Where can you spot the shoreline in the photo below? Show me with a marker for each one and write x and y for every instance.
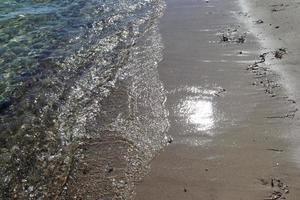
(81, 104)
(90, 108)
(247, 153)
(277, 29)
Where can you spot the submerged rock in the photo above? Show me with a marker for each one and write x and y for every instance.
(5, 103)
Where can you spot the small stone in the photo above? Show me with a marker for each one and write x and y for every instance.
(30, 188)
(260, 21)
(224, 38)
(170, 140)
(241, 39)
(293, 101)
(110, 170)
(286, 191)
(5, 103)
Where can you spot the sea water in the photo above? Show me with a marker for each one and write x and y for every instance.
(71, 70)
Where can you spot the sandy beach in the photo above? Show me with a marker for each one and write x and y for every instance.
(149, 100)
(230, 71)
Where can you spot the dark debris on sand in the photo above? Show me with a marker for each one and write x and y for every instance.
(264, 76)
(232, 35)
(279, 53)
(260, 21)
(268, 80)
(280, 190)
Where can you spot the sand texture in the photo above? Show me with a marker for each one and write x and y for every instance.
(233, 106)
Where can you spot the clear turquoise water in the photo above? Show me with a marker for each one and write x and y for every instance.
(34, 31)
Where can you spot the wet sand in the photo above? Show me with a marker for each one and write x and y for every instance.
(279, 29)
(231, 136)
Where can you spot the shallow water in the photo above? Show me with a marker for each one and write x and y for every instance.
(72, 70)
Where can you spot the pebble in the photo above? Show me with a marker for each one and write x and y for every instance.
(5, 103)
(260, 21)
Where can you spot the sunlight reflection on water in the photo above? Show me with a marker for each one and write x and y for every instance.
(196, 110)
(199, 113)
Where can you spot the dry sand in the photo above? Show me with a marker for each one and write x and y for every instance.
(234, 131)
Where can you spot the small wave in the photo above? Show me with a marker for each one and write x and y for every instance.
(73, 71)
